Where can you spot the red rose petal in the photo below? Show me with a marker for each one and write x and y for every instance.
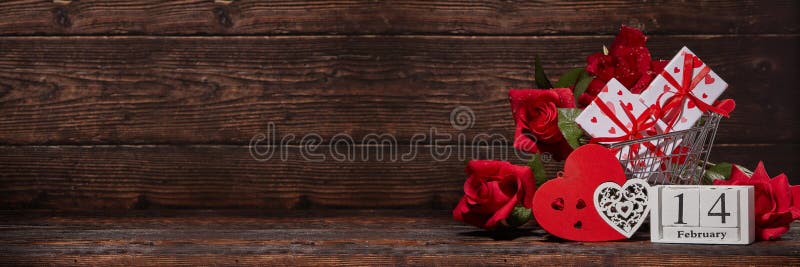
(771, 233)
(795, 201)
(760, 173)
(781, 192)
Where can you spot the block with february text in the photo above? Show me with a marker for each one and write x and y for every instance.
(702, 214)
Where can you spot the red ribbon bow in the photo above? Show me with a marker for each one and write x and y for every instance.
(644, 123)
(673, 106)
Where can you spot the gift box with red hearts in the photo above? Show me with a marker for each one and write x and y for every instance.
(606, 116)
(617, 115)
(683, 91)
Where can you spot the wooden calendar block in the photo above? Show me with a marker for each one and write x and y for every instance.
(686, 212)
(702, 214)
(719, 207)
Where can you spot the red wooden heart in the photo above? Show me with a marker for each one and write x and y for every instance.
(564, 207)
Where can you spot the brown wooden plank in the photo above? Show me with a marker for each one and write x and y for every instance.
(387, 259)
(321, 237)
(393, 17)
(148, 177)
(781, 158)
(225, 90)
(131, 177)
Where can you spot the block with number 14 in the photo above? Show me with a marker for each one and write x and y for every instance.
(702, 214)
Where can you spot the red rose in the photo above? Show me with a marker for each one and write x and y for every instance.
(491, 192)
(777, 203)
(536, 117)
(628, 61)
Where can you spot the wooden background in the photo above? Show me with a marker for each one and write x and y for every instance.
(144, 104)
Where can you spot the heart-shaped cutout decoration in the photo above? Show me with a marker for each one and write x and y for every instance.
(623, 208)
(563, 207)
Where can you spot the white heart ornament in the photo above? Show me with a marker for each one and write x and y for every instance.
(623, 208)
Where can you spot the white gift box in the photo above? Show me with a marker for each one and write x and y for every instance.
(616, 97)
(685, 72)
(597, 122)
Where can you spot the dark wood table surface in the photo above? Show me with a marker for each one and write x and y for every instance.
(343, 237)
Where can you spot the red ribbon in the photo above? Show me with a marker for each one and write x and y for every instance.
(643, 123)
(673, 106)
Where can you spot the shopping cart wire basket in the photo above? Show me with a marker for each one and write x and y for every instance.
(682, 158)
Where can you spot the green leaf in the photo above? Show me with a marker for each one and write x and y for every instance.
(519, 216)
(722, 171)
(581, 86)
(569, 128)
(537, 167)
(540, 77)
(569, 78)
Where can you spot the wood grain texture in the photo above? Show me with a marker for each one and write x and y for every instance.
(225, 90)
(781, 158)
(199, 177)
(318, 237)
(203, 17)
(140, 177)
